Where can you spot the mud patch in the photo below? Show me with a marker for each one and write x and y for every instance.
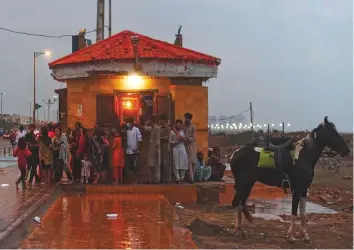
(201, 228)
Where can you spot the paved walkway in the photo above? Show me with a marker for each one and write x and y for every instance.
(14, 202)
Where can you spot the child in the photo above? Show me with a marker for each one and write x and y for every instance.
(22, 153)
(85, 169)
(118, 158)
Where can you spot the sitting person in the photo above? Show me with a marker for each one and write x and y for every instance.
(202, 173)
(217, 167)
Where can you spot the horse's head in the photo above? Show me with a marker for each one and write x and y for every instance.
(328, 134)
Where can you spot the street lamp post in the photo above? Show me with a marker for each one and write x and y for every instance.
(48, 103)
(2, 117)
(30, 118)
(44, 108)
(35, 55)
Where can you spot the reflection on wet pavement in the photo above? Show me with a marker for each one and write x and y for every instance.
(6, 161)
(271, 209)
(7, 158)
(4, 164)
(15, 202)
(80, 221)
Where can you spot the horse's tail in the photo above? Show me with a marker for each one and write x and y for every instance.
(235, 164)
(237, 157)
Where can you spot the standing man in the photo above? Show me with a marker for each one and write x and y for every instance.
(20, 133)
(165, 146)
(133, 140)
(154, 150)
(75, 162)
(191, 145)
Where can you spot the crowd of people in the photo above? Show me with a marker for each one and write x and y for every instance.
(43, 156)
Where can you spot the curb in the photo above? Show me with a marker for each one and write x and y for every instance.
(13, 234)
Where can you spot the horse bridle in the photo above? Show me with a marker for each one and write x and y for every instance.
(329, 153)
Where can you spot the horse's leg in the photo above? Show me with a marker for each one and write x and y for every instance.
(235, 200)
(294, 207)
(303, 231)
(241, 197)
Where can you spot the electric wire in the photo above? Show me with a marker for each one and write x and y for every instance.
(38, 35)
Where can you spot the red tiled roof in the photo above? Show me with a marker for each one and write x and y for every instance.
(119, 47)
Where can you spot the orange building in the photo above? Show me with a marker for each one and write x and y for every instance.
(106, 81)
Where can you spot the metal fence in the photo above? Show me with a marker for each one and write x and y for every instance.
(7, 151)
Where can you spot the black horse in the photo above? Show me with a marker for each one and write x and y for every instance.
(244, 166)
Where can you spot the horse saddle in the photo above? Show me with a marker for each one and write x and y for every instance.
(273, 158)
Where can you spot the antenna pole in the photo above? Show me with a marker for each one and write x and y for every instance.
(251, 116)
(109, 18)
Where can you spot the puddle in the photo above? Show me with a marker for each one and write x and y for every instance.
(143, 221)
(271, 209)
(5, 164)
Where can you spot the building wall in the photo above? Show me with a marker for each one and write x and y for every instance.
(193, 99)
(84, 92)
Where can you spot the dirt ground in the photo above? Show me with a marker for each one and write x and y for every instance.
(213, 227)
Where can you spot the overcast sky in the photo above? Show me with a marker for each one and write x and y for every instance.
(291, 58)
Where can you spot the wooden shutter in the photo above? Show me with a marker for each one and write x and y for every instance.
(63, 107)
(163, 105)
(105, 110)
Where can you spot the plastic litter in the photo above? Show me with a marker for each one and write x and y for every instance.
(37, 219)
(5, 185)
(112, 216)
(178, 205)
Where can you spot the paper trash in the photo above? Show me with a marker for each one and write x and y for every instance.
(112, 215)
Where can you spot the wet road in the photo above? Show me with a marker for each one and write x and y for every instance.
(80, 221)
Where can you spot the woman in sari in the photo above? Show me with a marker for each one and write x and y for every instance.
(98, 148)
(61, 156)
(46, 154)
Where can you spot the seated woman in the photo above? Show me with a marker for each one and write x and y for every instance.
(202, 173)
(217, 167)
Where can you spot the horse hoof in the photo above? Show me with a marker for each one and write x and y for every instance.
(240, 231)
(307, 239)
(291, 238)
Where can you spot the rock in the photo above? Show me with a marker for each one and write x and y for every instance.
(324, 198)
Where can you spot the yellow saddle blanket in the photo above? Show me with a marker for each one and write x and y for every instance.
(266, 158)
